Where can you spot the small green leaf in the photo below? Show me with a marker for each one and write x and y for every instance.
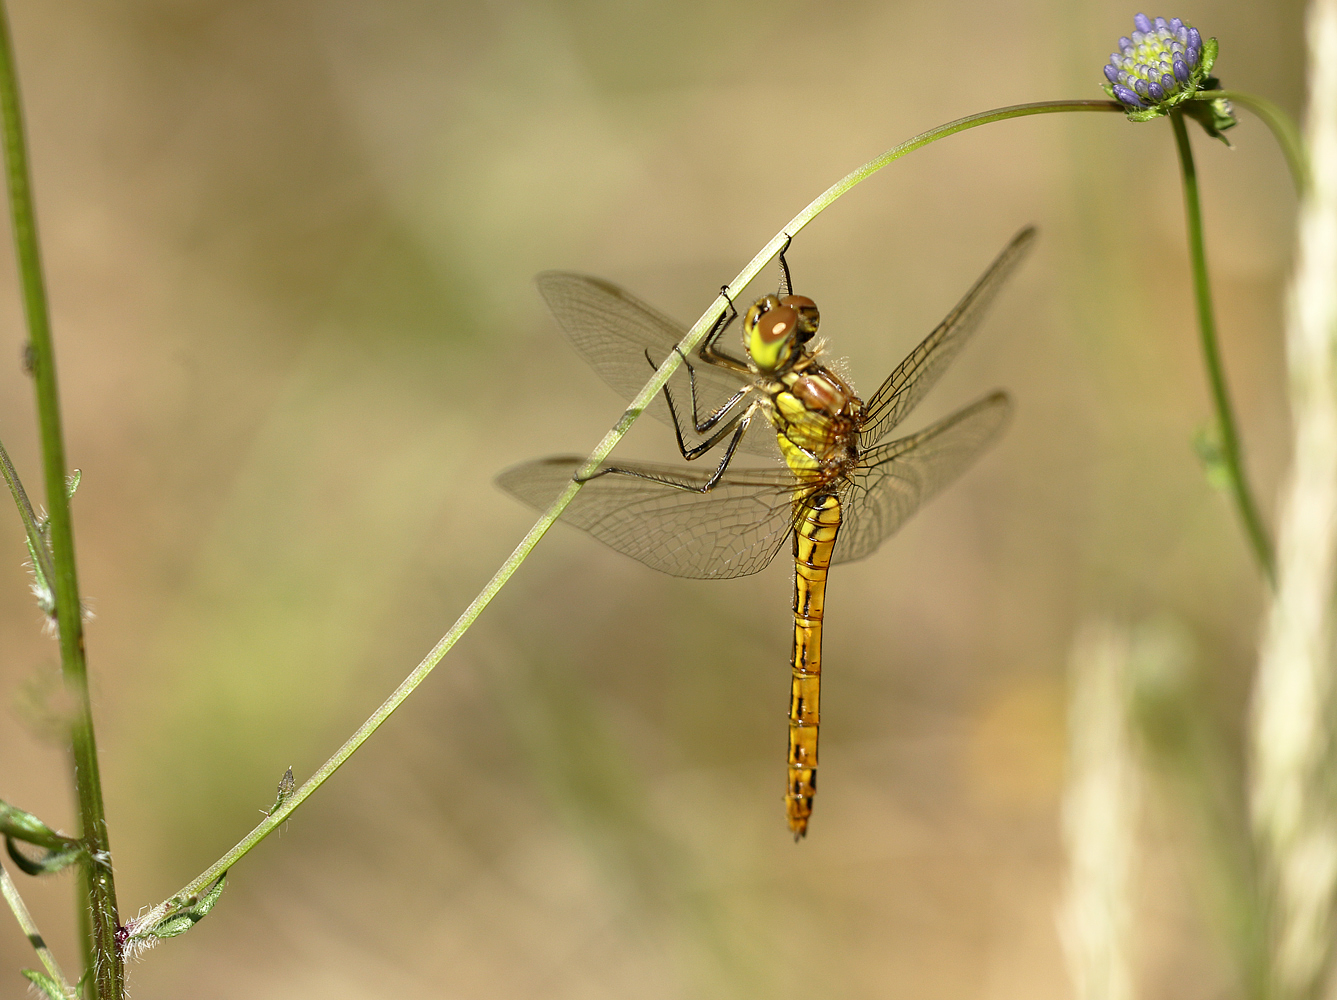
(49, 863)
(20, 825)
(181, 916)
(1209, 50)
(46, 984)
(1214, 115)
(72, 482)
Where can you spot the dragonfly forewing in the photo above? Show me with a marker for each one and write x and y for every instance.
(918, 373)
(613, 331)
(734, 530)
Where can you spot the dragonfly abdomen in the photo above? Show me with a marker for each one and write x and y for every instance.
(814, 538)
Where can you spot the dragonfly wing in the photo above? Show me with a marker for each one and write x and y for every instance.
(917, 373)
(613, 330)
(733, 530)
(897, 478)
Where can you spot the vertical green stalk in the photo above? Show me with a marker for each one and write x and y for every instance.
(108, 973)
(1231, 453)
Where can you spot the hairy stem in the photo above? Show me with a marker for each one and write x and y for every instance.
(108, 978)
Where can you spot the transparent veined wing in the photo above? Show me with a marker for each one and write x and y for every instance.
(613, 330)
(895, 479)
(917, 373)
(734, 530)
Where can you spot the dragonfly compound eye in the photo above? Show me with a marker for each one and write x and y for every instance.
(768, 332)
(808, 316)
(759, 309)
(770, 335)
(777, 325)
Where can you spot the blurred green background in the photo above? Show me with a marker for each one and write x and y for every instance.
(290, 249)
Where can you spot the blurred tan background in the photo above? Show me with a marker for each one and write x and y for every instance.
(290, 249)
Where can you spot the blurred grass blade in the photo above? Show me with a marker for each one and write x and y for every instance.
(1100, 814)
(1292, 799)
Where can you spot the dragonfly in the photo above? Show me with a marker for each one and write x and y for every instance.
(835, 489)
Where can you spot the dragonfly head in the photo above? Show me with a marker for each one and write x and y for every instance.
(776, 329)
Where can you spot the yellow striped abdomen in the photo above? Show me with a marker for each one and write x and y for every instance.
(814, 538)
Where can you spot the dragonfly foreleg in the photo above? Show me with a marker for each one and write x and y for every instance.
(786, 282)
(701, 426)
(732, 427)
(709, 354)
(739, 427)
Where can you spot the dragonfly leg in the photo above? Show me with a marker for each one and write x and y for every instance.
(709, 354)
(739, 427)
(736, 426)
(786, 282)
(701, 426)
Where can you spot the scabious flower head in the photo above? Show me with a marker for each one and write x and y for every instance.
(1156, 63)
(1161, 65)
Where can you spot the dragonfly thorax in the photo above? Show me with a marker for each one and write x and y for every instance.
(776, 329)
(816, 417)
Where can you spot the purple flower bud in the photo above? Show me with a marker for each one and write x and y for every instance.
(1126, 96)
(1156, 65)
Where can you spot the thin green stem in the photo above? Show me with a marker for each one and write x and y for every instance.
(29, 927)
(824, 200)
(1283, 127)
(605, 446)
(1231, 451)
(108, 974)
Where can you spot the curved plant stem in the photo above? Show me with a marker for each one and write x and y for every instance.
(540, 528)
(108, 975)
(29, 928)
(1283, 127)
(1231, 452)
